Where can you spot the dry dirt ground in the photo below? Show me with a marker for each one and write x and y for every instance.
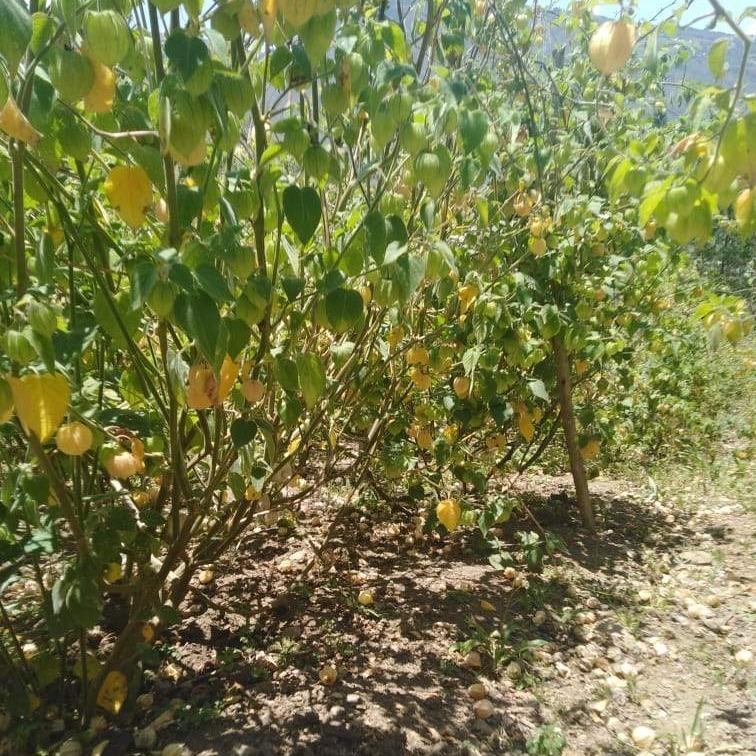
(638, 626)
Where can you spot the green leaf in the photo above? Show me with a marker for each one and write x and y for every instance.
(143, 278)
(15, 32)
(312, 377)
(203, 322)
(406, 273)
(292, 286)
(107, 320)
(343, 308)
(239, 334)
(242, 432)
(302, 210)
(538, 389)
(655, 193)
(717, 57)
(286, 372)
(185, 53)
(212, 282)
(375, 235)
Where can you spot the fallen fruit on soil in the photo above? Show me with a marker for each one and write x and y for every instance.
(483, 709)
(328, 675)
(205, 577)
(472, 660)
(477, 691)
(365, 598)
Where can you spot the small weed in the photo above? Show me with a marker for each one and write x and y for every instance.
(546, 741)
(285, 650)
(496, 643)
(191, 717)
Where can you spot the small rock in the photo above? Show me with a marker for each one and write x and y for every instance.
(614, 725)
(644, 596)
(744, 656)
(336, 712)
(626, 670)
(145, 739)
(353, 699)
(643, 736)
(69, 747)
(175, 749)
(700, 558)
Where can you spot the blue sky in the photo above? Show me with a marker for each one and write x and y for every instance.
(649, 8)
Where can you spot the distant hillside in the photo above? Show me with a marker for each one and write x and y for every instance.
(697, 42)
(697, 68)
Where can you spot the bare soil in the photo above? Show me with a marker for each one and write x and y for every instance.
(638, 625)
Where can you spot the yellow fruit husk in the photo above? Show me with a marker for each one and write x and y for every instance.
(204, 390)
(15, 124)
(449, 513)
(424, 439)
(743, 207)
(467, 295)
(418, 355)
(421, 380)
(249, 19)
(525, 423)
(365, 598)
(462, 386)
(269, 11)
(395, 335)
(41, 402)
(195, 157)
(100, 97)
(611, 45)
(450, 433)
(113, 692)
(590, 449)
(129, 190)
(297, 12)
(74, 439)
(113, 572)
(123, 464)
(253, 390)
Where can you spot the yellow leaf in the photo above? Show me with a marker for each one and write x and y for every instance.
(113, 692)
(228, 374)
(6, 401)
(525, 423)
(41, 402)
(130, 192)
(15, 124)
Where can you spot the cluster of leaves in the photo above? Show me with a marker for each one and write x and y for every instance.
(253, 246)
